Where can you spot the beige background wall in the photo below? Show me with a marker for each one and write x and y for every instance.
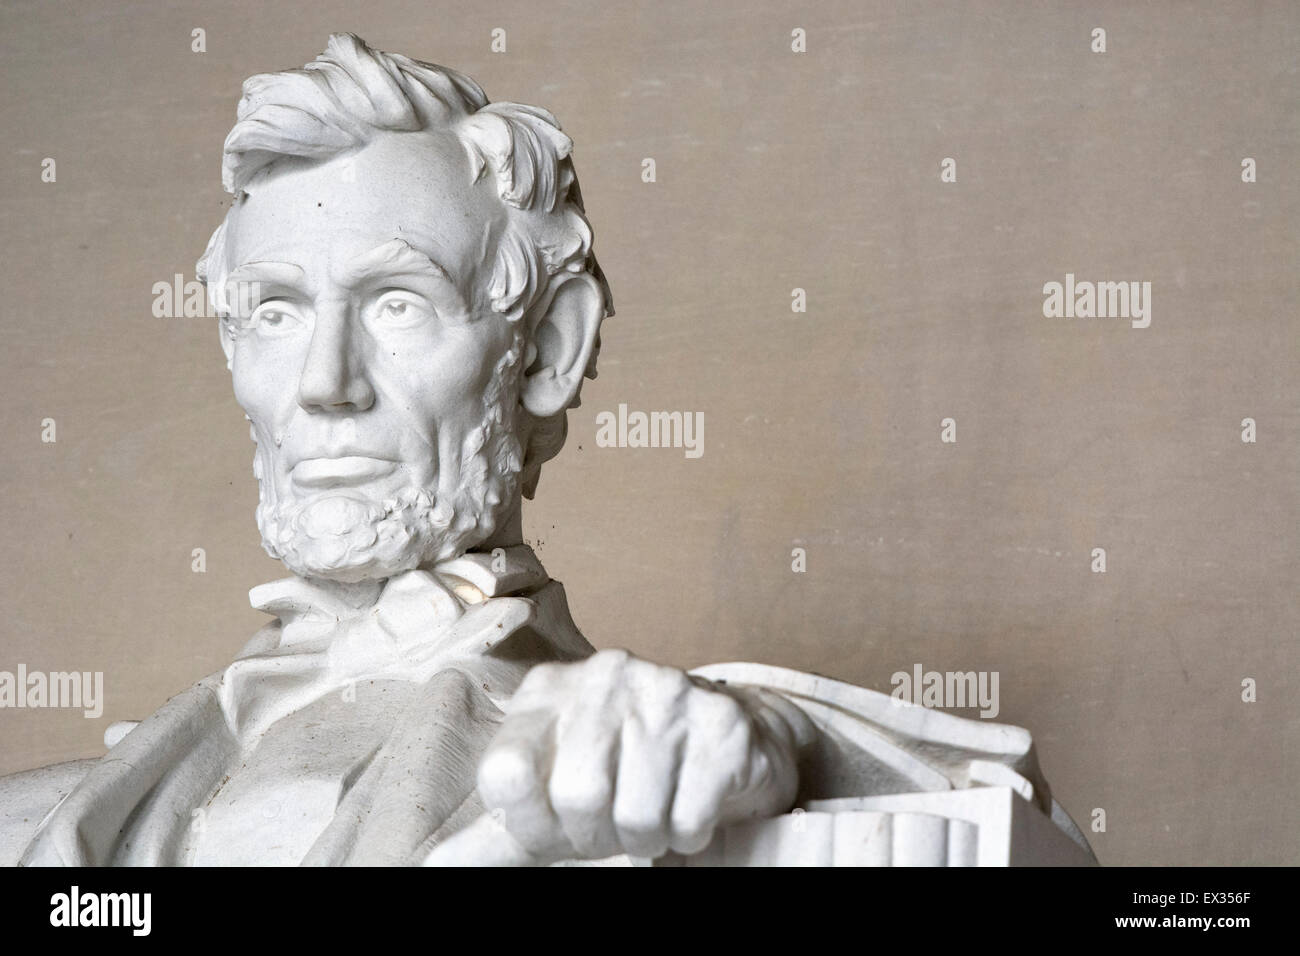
(775, 171)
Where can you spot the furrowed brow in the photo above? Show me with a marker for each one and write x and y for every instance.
(265, 270)
(394, 258)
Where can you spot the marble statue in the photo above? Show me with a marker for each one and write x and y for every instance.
(410, 304)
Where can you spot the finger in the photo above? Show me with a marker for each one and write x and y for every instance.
(647, 779)
(512, 781)
(715, 766)
(544, 687)
(583, 775)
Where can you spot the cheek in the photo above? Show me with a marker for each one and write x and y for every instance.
(445, 380)
(264, 382)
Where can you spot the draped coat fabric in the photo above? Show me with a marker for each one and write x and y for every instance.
(459, 640)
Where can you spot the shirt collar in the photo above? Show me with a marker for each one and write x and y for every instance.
(472, 577)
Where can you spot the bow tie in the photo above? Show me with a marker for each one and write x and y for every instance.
(407, 628)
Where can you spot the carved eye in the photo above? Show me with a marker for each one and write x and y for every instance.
(275, 317)
(401, 310)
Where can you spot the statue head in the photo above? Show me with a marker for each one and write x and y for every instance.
(409, 304)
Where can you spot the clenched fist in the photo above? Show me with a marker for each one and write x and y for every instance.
(618, 755)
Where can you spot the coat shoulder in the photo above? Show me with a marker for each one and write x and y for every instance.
(26, 798)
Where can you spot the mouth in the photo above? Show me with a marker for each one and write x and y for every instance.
(344, 470)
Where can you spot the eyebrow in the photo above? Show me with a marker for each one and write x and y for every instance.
(391, 259)
(266, 270)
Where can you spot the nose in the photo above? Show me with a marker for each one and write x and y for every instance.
(333, 376)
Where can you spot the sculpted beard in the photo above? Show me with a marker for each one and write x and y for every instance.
(350, 537)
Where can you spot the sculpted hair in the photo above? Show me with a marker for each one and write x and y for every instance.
(339, 101)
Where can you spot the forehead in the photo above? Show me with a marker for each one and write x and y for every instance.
(411, 186)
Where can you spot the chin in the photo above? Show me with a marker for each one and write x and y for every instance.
(350, 537)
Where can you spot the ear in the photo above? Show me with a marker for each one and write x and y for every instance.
(226, 332)
(563, 336)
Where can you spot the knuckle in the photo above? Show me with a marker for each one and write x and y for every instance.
(541, 677)
(674, 681)
(602, 673)
(580, 794)
(721, 711)
(611, 659)
(507, 775)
